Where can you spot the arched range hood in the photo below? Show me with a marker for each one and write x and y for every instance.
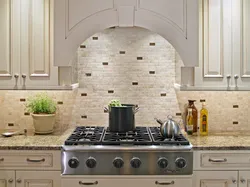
(175, 20)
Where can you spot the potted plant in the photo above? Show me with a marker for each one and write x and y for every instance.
(42, 109)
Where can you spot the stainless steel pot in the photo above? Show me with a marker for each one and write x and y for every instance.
(169, 128)
(122, 119)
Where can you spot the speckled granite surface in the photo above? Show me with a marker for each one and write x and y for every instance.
(55, 141)
(37, 142)
(221, 142)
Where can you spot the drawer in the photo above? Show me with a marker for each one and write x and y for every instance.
(28, 159)
(115, 181)
(224, 160)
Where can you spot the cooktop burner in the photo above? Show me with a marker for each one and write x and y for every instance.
(85, 135)
(138, 137)
(158, 139)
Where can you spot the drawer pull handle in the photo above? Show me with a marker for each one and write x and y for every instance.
(88, 183)
(31, 160)
(164, 183)
(1, 159)
(217, 160)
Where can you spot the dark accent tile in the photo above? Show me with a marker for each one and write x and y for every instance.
(88, 74)
(235, 122)
(84, 94)
(84, 116)
(105, 63)
(151, 72)
(95, 38)
(202, 100)
(122, 52)
(22, 100)
(163, 94)
(139, 58)
(82, 46)
(60, 102)
(10, 124)
(235, 106)
(26, 113)
(152, 44)
(178, 114)
(135, 83)
(111, 91)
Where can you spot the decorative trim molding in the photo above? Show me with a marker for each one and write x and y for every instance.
(68, 30)
(182, 29)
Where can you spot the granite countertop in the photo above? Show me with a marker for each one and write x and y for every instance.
(55, 141)
(36, 142)
(223, 141)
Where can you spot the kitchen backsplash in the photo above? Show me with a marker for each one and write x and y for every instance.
(135, 66)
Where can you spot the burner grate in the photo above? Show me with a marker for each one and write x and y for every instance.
(159, 140)
(138, 137)
(85, 135)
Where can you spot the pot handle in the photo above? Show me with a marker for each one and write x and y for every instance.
(158, 121)
(106, 109)
(136, 109)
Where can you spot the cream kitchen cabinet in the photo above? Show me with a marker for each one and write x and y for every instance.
(215, 179)
(244, 178)
(38, 179)
(124, 181)
(7, 178)
(26, 45)
(224, 33)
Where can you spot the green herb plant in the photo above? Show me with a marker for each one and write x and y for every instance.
(41, 104)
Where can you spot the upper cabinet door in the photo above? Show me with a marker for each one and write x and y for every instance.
(37, 68)
(10, 42)
(215, 41)
(175, 20)
(241, 43)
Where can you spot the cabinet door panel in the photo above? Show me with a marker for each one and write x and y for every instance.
(9, 45)
(7, 179)
(241, 40)
(244, 178)
(215, 178)
(38, 179)
(37, 59)
(215, 39)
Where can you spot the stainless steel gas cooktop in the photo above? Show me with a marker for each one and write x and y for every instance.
(97, 151)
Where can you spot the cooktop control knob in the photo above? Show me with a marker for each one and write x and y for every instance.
(135, 162)
(73, 162)
(180, 163)
(118, 162)
(91, 162)
(162, 162)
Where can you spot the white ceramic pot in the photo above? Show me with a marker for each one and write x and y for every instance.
(43, 123)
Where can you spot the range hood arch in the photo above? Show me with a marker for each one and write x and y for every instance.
(77, 20)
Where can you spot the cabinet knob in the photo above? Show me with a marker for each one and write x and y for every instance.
(10, 180)
(19, 180)
(234, 181)
(228, 76)
(16, 75)
(242, 181)
(236, 78)
(24, 76)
